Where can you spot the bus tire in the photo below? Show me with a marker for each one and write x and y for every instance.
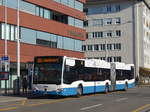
(79, 91)
(106, 88)
(126, 86)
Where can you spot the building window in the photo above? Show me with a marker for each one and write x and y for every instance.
(46, 43)
(90, 47)
(109, 59)
(109, 46)
(102, 47)
(118, 21)
(86, 23)
(97, 22)
(108, 21)
(85, 10)
(47, 14)
(100, 34)
(117, 7)
(102, 58)
(117, 46)
(117, 59)
(84, 48)
(109, 34)
(96, 47)
(108, 8)
(11, 31)
(118, 33)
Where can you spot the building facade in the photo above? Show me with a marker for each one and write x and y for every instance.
(47, 28)
(118, 31)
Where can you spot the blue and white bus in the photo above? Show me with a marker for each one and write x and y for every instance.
(66, 76)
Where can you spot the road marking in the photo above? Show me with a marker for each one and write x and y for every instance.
(141, 108)
(48, 102)
(93, 106)
(12, 100)
(121, 99)
(23, 102)
(10, 108)
(61, 100)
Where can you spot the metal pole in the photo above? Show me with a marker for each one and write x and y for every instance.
(5, 31)
(5, 49)
(106, 55)
(18, 48)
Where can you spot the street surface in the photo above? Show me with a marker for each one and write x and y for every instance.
(133, 100)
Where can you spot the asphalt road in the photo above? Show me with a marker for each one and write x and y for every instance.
(133, 100)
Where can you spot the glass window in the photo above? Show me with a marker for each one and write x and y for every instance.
(68, 44)
(11, 3)
(37, 13)
(109, 34)
(90, 47)
(108, 21)
(78, 45)
(41, 12)
(90, 35)
(78, 6)
(102, 47)
(109, 9)
(57, 0)
(71, 3)
(109, 59)
(46, 14)
(27, 7)
(97, 22)
(84, 48)
(28, 36)
(117, 8)
(118, 21)
(8, 32)
(60, 42)
(12, 32)
(78, 23)
(118, 33)
(100, 34)
(1, 2)
(96, 47)
(53, 37)
(109, 46)
(65, 2)
(43, 35)
(71, 21)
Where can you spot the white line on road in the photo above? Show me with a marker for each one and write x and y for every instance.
(12, 100)
(93, 106)
(121, 99)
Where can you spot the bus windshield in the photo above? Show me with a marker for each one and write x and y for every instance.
(47, 73)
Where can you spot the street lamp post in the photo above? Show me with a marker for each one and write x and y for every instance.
(5, 44)
(18, 48)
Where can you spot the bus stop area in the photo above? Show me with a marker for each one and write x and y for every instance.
(10, 97)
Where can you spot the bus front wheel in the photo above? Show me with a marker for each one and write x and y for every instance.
(79, 91)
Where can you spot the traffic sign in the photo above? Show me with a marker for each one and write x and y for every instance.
(5, 58)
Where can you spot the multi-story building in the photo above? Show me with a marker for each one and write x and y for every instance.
(118, 31)
(47, 27)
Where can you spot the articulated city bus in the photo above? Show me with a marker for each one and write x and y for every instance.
(66, 76)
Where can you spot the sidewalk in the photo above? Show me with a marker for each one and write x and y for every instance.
(5, 98)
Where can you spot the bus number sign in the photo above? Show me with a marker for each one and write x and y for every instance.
(47, 60)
